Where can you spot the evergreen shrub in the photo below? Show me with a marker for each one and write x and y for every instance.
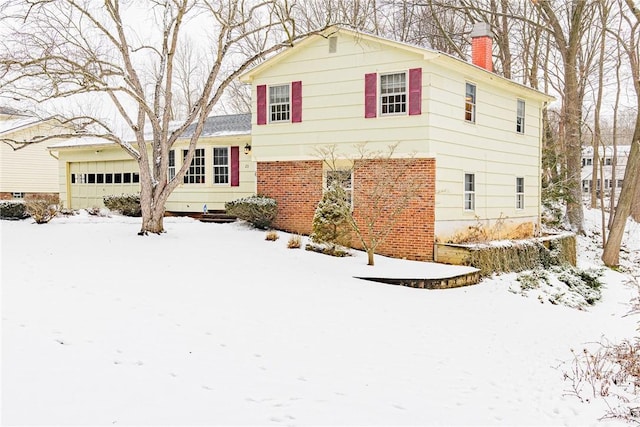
(126, 204)
(257, 210)
(13, 209)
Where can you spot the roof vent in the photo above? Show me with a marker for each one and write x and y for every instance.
(333, 44)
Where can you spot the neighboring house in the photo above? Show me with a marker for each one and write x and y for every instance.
(605, 155)
(221, 171)
(26, 170)
(474, 137)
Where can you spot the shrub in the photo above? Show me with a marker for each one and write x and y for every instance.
(272, 236)
(126, 204)
(43, 209)
(13, 209)
(294, 242)
(257, 210)
(331, 224)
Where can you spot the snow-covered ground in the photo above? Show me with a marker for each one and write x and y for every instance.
(212, 325)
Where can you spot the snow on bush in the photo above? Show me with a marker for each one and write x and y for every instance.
(561, 284)
(13, 209)
(331, 227)
(43, 209)
(257, 210)
(126, 204)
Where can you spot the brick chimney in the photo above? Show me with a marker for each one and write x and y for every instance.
(481, 46)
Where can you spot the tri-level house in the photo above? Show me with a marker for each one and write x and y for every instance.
(473, 138)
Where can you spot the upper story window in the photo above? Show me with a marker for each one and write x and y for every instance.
(393, 93)
(520, 117)
(469, 191)
(220, 165)
(608, 161)
(279, 103)
(171, 170)
(470, 103)
(195, 173)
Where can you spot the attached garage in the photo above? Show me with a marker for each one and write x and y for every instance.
(222, 170)
(89, 182)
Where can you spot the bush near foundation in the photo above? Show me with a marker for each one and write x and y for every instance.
(258, 210)
(126, 204)
(43, 209)
(13, 209)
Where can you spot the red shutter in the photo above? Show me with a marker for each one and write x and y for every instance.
(415, 91)
(296, 102)
(370, 98)
(235, 166)
(262, 104)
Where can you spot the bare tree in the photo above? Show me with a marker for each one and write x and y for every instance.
(630, 192)
(384, 189)
(61, 49)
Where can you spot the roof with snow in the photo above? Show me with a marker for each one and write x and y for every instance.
(233, 124)
(215, 126)
(8, 111)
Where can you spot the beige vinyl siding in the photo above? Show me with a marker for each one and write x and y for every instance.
(31, 169)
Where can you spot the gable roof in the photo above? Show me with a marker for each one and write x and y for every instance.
(426, 53)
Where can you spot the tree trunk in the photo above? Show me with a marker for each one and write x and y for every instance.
(370, 256)
(153, 223)
(628, 196)
(152, 207)
(635, 210)
(573, 115)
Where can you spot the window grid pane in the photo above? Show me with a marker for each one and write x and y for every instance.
(519, 193)
(220, 165)
(520, 117)
(344, 178)
(469, 192)
(279, 103)
(393, 91)
(470, 103)
(195, 173)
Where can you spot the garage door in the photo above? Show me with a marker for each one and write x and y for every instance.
(91, 181)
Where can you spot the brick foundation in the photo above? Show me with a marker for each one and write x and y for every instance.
(27, 196)
(380, 187)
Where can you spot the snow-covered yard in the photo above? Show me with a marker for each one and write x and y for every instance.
(212, 325)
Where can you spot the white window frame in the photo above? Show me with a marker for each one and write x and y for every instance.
(198, 162)
(221, 170)
(470, 100)
(17, 195)
(469, 192)
(520, 116)
(393, 94)
(279, 105)
(171, 169)
(347, 188)
(519, 192)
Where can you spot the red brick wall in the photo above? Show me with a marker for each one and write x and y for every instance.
(380, 187)
(296, 187)
(27, 196)
(398, 196)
